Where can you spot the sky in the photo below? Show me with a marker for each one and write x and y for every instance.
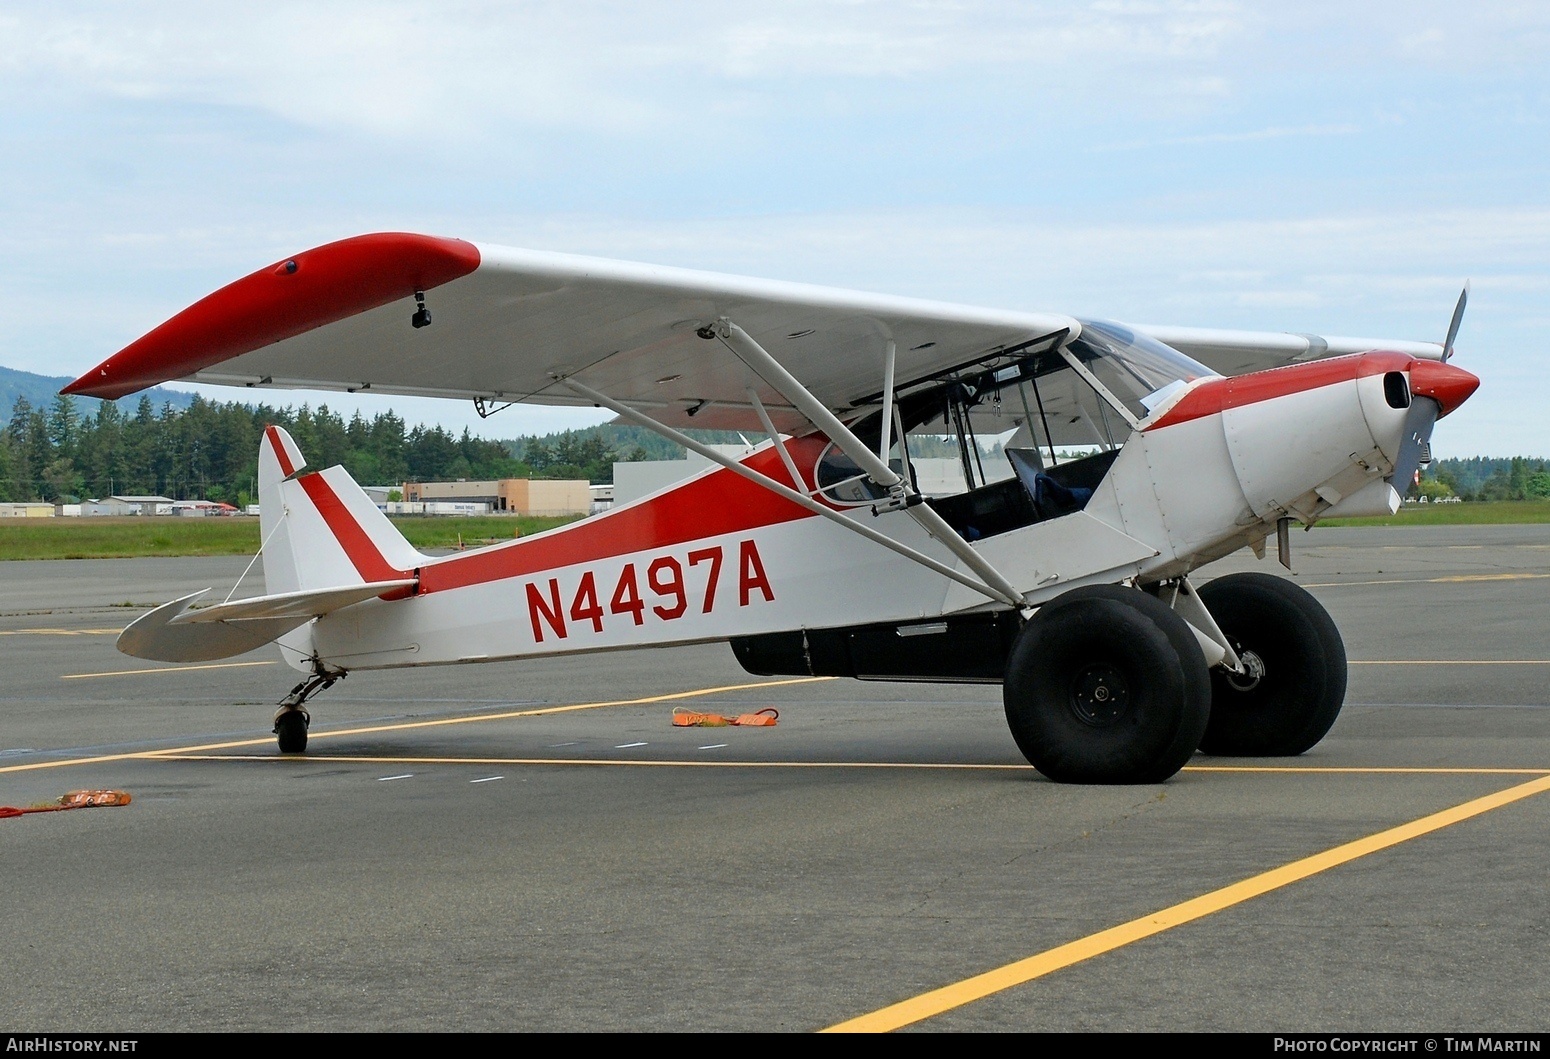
(1332, 168)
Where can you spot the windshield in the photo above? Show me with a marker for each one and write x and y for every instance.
(1140, 371)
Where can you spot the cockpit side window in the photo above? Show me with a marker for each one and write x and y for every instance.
(1050, 405)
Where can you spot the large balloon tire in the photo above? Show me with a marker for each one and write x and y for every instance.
(1295, 702)
(1107, 684)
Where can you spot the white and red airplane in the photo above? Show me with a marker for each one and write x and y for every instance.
(1068, 581)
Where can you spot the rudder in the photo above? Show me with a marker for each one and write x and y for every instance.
(320, 530)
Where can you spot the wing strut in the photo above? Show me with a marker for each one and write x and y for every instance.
(795, 497)
(769, 428)
(773, 372)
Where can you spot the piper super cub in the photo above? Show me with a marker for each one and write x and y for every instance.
(1066, 580)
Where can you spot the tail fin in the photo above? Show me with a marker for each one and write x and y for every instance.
(319, 529)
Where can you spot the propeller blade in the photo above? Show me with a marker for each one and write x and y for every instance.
(1418, 435)
(1453, 326)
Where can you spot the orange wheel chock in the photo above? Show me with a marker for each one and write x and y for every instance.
(686, 718)
(73, 800)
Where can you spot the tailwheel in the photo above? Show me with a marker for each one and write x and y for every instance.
(290, 724)
(1107, 684)
(1294, 677)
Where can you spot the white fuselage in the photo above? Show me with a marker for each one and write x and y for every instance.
(1208, 472)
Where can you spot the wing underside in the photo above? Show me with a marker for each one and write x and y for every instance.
(511, 325)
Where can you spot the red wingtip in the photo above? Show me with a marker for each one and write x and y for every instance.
(311, 289)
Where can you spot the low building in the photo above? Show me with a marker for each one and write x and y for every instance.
(511, 496)
(24, 510)
(129, 505)
(200, 508)
(433, 507)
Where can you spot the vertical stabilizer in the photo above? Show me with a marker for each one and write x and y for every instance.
(319, 529)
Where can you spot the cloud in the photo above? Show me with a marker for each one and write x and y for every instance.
(399, 69)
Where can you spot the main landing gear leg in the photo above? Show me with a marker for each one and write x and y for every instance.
(292, 720)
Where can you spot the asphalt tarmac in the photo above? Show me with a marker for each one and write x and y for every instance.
(533, 846)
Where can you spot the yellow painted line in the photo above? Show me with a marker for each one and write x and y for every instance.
(144, 755)
(927, 1005)
(1431, 580)
(60, 632)
(1454, 662)
(301, 759)
(1416, 770)
(165, 669)
(641, 762)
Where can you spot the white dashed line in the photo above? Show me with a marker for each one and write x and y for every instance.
(627, 746)
(488, 779)
(385, 779)
(715, 746)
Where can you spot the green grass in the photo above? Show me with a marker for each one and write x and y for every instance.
(121, 538)
(126, 538)
(1495, 513)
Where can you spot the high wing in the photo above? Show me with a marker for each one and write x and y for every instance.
(1238, 352)
(509, 325)
(506, 323)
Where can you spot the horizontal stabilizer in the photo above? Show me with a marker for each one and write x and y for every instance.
(173, 633)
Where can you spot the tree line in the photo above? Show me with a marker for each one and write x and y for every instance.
(209, 451)
(1486, 478)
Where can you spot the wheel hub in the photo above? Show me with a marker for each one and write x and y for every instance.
(1253, 671)
(1100, 695)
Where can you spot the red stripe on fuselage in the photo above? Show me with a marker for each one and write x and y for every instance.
(1218, 395)
(721, 502)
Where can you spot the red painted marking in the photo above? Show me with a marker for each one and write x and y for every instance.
(720, 503)
(362, 550)
(1443, 383)
(329, 283)
(549, 609)
(751, 575)
(280, 455)
(1218, 395)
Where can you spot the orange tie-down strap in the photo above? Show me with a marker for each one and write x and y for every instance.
(73, 800)
(686, 718)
